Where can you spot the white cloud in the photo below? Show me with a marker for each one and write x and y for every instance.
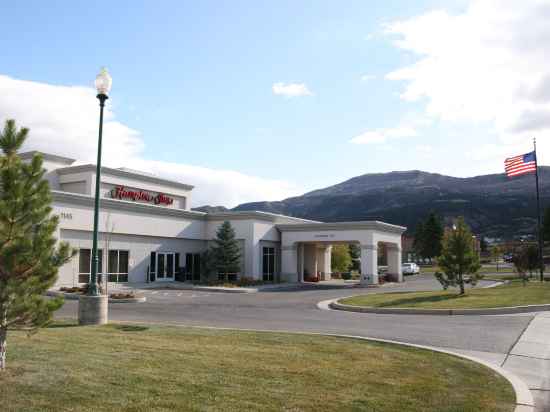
(64, 120)
(487, 65)
(382, 135)
(291, 89)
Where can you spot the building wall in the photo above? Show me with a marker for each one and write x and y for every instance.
(80, 217)
(139, 248)
(75, 187)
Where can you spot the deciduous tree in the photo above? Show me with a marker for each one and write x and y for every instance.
(496, 254)
(355, 254)
(340, 258)
(29, 256)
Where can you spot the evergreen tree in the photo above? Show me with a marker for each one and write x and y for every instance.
(432, 235)
(340, 258)
(226, 253)
(458, 258)
(546, 225)
(483, 246)
(29, 258)
(418, 243)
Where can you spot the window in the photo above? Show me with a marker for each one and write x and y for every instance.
(268, 263)
(85, 265)
(117, 267)
(193, 266)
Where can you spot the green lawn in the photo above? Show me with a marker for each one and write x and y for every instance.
(511, 294)
(489, 269)
(138, 368)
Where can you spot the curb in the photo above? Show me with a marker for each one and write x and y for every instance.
(203, 288)
(524, 397)
(76, 296)
(509, 310)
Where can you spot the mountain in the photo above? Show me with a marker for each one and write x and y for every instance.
(493, 205)
(210, 209)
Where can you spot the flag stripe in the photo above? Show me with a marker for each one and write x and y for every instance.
(523, 166)
(519, 165)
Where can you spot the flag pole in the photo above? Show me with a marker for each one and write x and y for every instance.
(541, 259)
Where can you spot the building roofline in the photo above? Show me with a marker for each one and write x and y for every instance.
(86, 200)
(124, 173)
(46, 156)
(257, 215)
(359, 225)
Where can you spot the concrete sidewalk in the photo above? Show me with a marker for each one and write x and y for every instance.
(530, 360)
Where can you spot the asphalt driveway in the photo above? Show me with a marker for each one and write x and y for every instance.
(296, 310)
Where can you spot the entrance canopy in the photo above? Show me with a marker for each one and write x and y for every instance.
(305, 247)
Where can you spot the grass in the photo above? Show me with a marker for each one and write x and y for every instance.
(489, 269)
(511, 294)
(141, 368)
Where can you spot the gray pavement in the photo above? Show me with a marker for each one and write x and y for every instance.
(493, 338)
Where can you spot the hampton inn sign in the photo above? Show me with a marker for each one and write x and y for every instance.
(148, 232)
(120, 192)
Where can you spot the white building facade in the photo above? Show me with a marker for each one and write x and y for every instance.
(147, 232)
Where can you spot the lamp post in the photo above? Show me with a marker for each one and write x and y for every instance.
(103, 84)
(92, 308)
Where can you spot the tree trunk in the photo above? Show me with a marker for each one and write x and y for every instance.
(461, 284)
(3, 348)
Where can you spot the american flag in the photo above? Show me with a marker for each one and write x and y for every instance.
(520, 165)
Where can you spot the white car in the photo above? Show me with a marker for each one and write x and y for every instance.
(410, 268)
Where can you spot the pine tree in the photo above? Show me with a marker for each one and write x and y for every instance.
(418, 243)
(458, 258)
(29, 258)
(432, 235)
(546, 225)
(226, 253)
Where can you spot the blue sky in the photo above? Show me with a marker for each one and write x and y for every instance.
(193, 84)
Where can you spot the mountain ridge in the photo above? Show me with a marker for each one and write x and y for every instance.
(493, 204)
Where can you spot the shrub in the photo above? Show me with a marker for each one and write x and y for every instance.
(126, 295)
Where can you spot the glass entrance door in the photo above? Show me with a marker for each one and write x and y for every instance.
(165, 266)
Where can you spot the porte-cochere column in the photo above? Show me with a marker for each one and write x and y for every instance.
(289, 263)
(369, 264)
(394, 262)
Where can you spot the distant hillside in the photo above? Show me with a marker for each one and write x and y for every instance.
(210, 209)
(493, 205)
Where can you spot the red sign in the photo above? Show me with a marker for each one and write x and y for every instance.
(121, 193)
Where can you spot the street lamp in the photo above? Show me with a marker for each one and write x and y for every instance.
(103, 84)
(93, 307)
